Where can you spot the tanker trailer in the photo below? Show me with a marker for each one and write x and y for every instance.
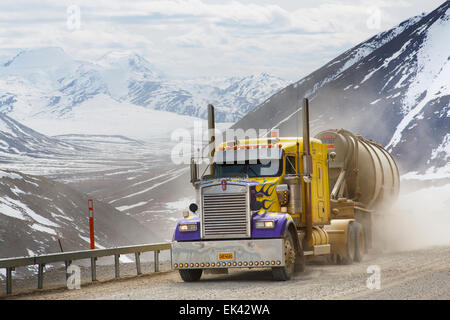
(363, 179)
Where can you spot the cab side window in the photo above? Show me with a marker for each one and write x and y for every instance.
(290, 165)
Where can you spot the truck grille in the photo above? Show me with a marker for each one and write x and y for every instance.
(225, 215)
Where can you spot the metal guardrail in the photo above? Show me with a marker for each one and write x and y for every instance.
(67, 257)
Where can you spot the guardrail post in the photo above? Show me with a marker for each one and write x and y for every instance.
(94, 268)
(67, 263)
(9, 280)
(156, 260)
(137, 256)
(117, 266)
(41, 276)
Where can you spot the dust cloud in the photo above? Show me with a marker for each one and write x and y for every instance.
(417, 220)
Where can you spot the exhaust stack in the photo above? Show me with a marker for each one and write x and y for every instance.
(307, 169)
(212, 137)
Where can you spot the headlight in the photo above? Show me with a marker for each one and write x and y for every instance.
(187, 227)
(268, 224)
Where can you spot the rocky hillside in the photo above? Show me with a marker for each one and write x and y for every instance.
(18, 140)
(35, 211)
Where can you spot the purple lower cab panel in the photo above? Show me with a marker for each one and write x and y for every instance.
(277, 232)
(187, 235)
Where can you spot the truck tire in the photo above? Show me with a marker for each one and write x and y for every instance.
(190, 275)
(349, 246)
(359, 242)
(286, 272)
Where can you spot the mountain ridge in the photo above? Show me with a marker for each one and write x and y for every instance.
(55, 83)
(380, 94)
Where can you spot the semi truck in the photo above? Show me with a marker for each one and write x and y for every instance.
(275, 202)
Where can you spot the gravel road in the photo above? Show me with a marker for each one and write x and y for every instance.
(419, 274)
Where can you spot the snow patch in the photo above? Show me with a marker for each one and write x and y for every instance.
(9, 175)
(41, 228)
(123, 208)
(181, 204)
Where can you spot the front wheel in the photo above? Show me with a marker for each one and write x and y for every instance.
(286, 272)
(190, 275)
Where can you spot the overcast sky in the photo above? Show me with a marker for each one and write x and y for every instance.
(195, 38)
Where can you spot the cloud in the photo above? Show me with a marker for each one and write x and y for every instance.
(189, 38)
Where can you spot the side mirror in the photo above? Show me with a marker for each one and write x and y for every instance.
(193, 207)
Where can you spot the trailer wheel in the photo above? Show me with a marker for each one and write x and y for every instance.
(331, 258)
(349, 246)
(286, 272)
(359, 242)
(190, 275)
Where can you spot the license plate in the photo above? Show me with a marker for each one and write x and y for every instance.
(225, 256)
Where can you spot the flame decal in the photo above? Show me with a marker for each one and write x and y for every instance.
(266, 199)
(266, 189)
(264, 205)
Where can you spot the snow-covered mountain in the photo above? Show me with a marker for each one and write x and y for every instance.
(232, 97)
(393, 88)
(48, 82)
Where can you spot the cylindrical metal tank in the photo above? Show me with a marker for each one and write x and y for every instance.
(361, 170)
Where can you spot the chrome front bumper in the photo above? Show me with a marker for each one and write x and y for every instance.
(259, 253)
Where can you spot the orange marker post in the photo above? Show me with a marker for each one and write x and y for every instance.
(91, 222)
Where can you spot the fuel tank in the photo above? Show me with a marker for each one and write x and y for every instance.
(360, 169)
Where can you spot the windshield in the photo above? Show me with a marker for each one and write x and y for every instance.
(271, 168)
